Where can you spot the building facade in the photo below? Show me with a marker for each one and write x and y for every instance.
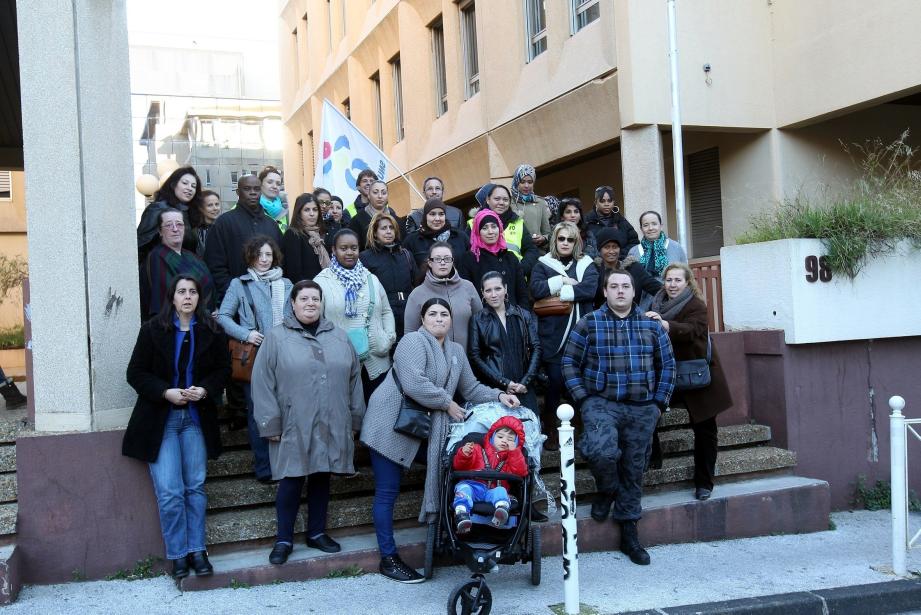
(468, 90)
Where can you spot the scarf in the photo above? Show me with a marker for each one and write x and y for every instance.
(369, 209)
(277, 287)
(520, 172)
(319, 246)
(654, 258)
(273, 209)
(476, 243)
(669, 308)
(352, 279)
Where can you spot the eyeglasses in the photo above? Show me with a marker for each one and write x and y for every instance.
(173, 225)
(566, 239)
(442, 260)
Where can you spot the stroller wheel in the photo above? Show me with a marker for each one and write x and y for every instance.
(471, 597)
(535, 531)
(430, 538)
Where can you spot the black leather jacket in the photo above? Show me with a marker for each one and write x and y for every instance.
(484, 345)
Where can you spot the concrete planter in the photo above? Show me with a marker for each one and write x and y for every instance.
(785, 285)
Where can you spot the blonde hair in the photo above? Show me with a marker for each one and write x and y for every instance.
(688, 275)
(574, 233)
(371, 238)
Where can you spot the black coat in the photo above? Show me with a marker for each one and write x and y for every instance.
(629, 238)
(554, 330)
(419, 245)
(150, 373)
(301, 262)
(224, 251)
(397, 272)
(484, 345)
(506, 263)
(646, 285)
(149, 229)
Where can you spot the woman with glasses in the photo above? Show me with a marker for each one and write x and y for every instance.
(434, 228)
(566, 273)
(181, 191)
(489, 252)
(442, 281)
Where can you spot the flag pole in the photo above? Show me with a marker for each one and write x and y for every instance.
(387, 158)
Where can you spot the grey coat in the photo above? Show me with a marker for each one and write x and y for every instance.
(430, 374)
(307, 389)
(236, 304)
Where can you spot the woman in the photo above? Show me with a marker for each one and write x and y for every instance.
(565, 273)
(683, 313)
(533, 209)
(254, 303)
(571, 211)
(503, 343)
(203, 217)
(612, 257)
(489, 252)
(337, 212)
(607, 215)
(430, 368)
(304, 243)
(434, 228)
(182, 192)
(655, 251)
(167, 260)
(354, 299)
(270, 199)
(179, 367)
(442, 280)
(377, 203)
(497, 198)
(305, 360)
(393, 265)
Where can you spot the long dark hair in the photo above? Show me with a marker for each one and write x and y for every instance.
(164, 319)
(435, 301)
(167, 191)
(196, 215)
(296, 223)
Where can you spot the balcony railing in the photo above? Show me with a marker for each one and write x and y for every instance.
(707, 273)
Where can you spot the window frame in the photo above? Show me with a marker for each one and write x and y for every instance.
(534, 39)
(469, 47)
(9, 182)
(378, 108)
(396, 72)
(439, 70)
(578, 8)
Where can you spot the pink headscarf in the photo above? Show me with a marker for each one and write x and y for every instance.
(476, 243)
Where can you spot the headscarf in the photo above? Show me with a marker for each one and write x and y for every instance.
(352, 279)
(654, 258)
(520, 172)
(476, 243)
(483, 193)
(445, 233)
(273, 277)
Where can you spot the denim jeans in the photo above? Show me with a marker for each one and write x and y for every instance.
(468, 492)
(179, 483)
(259, 446)
(387, 478)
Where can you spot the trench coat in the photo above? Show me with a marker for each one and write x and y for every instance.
(307, 389)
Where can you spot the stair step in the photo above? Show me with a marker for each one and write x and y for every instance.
(8, 458)
(8, 514)
(12, 423)
(9, 490)
(247, 524)
(675, 416)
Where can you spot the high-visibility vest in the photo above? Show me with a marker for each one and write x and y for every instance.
(512, 233)
(351, 210)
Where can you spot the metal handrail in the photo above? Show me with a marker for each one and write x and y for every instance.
(899, 428)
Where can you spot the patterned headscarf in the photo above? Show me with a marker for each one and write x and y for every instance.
(520, 172)
(476, 243)
(483, 193)
(352, 279)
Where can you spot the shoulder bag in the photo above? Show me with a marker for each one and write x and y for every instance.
(552, 306)
(414, 420)
(243, 354)
(693, 374)
(359, 336)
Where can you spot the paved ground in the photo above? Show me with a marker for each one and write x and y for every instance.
(679, 574)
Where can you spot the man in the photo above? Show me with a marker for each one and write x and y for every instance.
(224, 250)
(434, 188)
(619, 368)
(366, 177)
(610, 244)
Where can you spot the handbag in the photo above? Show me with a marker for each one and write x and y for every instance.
(359, 337)
(694, 373)
(414, 420)
(552, 306)
(243, 354)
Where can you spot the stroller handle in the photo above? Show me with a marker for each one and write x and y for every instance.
(487, 475)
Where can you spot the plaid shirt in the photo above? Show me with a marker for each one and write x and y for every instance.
(621, 359)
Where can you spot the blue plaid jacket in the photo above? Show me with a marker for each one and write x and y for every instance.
(621, 359)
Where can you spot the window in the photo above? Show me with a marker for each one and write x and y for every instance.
(378, 120)
(584, 12)
(234, 178)
(296, 52)
(6, 185)
(207, 177)
(536, 27)
(397, 72)
(706, 203)
(310, 145)
(347, 108)
(468, 36)
(438, 66)
(342, 18)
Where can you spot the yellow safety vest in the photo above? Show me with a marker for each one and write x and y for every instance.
(512, 233)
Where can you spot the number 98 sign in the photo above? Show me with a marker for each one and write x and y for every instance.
(817, 269)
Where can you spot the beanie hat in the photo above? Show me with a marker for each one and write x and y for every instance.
(608, 234)
(433, 204)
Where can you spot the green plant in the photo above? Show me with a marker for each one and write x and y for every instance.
(868, 217)
(144, 569)
(234, 584)
(879, 496)
(12, 270)
(77, 575)
(12, 337)
(349, 571)
(832, 526)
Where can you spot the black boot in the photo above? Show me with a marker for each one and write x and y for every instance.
(14, 399)
(630, 543)
(601, 507)
(180, 568)
(200, 564)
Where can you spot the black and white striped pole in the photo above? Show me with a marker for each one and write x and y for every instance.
(568, 507)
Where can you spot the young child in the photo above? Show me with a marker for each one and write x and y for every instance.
(501, 452)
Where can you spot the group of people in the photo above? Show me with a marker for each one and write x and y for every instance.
(349, 309)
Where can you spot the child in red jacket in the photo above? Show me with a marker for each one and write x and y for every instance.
(501, 452)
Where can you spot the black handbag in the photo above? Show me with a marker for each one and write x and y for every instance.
(693, 374)
(414, 420)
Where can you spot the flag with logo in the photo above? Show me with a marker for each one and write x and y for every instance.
(344, 153)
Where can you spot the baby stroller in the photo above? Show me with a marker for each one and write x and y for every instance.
(485, 546)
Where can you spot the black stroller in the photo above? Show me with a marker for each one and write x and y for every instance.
(485, 546)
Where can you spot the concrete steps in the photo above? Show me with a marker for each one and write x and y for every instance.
(12, 424)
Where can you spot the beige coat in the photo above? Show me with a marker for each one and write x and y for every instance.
(307, 389)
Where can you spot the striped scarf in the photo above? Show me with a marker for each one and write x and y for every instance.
(273, 277)
(352, 279)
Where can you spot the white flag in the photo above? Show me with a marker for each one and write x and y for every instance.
(344, 153)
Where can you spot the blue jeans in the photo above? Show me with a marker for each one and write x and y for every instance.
(179, 483)
(387, 478)
(468, 492)
(259, 446)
